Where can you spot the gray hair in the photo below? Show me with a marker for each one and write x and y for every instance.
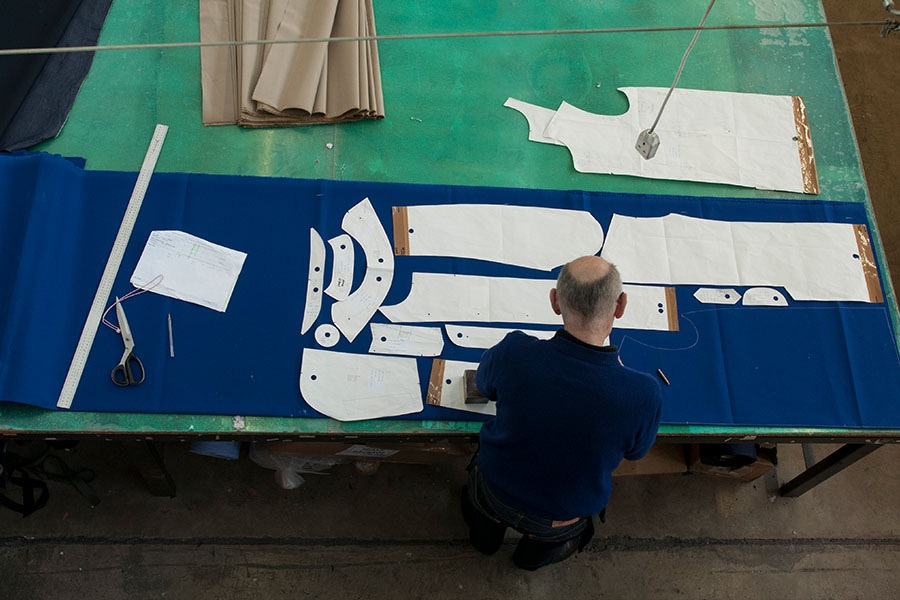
(590, 301)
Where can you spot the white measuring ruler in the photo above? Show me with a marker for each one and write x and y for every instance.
(111, 270)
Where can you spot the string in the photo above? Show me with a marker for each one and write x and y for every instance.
(135, 292)
(436, 36)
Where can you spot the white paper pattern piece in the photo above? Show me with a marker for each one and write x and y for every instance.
(352, 387)
(444, 297)
(764, 296)
(447, 298)
(406, 339)
(341, 267)
(525, 236)
(327, 335)
(538, 118)
(468, 336)
(649, 307)
(812, 261)
(709, 136)
(353, 313)
(314, 281)
(717, 296)
(453, 389)
(192, 269)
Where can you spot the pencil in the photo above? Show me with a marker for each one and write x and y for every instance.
(171, 342)
(663, 376)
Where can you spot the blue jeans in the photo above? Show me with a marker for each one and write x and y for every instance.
(544, 541)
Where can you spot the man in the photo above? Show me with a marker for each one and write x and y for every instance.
(568, 411)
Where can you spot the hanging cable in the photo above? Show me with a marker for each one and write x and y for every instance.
(648, 141)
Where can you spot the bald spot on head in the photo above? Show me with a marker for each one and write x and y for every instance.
(588, 268)
(587, 290)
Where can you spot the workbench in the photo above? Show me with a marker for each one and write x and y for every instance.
(446, 125)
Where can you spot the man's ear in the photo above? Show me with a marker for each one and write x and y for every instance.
(621, 301)
(554, 301)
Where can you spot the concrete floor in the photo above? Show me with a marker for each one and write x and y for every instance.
(232, 532)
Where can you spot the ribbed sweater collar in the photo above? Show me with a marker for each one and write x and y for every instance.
(562, 334)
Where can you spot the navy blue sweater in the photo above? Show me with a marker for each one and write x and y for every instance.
(567, 413)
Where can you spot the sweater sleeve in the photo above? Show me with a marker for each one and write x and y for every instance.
(645, 437)
(486, 375)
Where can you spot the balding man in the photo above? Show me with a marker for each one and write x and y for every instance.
(568, 411)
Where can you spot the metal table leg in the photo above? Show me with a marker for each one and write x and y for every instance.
(835, 462)
(148, 459)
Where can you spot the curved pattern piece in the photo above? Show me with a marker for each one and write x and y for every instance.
(717, 295)
(352, 387)
(538, 118)
(446, 387)
(442, 297)
(751, 140)
(485, 337)
(525, 236)
(812, 261)
(445, 298)
(764, 296)
(327, 335)
(351, 314)
(314, 282)
(341, 267)
(406, 339)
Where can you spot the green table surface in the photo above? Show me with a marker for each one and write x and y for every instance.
(446, 124)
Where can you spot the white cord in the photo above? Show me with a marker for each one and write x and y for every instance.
(681, 67)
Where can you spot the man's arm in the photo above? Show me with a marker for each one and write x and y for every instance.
(645, 437)
(485, 375)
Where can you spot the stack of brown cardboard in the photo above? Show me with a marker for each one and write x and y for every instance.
(288, 82)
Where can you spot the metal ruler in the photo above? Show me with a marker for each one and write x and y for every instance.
(73, 377)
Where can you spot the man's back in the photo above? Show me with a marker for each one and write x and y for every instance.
(567, 413)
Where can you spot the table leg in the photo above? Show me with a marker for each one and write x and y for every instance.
(147, 457)
(835, 462)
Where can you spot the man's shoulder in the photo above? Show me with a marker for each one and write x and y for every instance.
(521, 336)
(517, 339)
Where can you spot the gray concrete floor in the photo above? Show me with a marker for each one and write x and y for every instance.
(232, 532)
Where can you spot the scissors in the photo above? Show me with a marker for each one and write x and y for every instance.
(123, 374)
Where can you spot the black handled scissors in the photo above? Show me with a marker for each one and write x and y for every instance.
(123, 374)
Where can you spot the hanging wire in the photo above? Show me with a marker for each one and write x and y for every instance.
(432, 36)
(681, 67)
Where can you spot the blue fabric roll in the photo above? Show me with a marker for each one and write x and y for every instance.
(812, 364)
